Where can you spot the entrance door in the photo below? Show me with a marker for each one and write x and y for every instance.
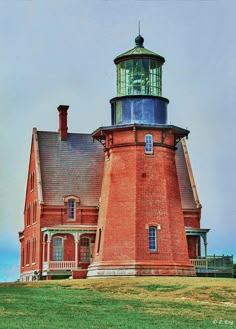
(85, 250)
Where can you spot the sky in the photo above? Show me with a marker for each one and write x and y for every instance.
(61, 52)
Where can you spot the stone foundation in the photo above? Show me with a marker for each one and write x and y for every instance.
(141, 269)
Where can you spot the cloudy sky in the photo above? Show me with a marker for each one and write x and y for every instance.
(61, 52)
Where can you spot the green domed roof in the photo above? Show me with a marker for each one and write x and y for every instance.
(139, 52)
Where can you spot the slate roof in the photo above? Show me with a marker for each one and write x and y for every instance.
(186, 191)
(70, 167)
(75, 167)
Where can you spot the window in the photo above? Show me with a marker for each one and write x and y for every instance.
(22, 257)
(152, 238)
(85, 250)
(34, 211)
(27, 252)
(32, 182)
(118, 112)
(28, 216)
(57, 249)
(148, 144)
(139, 77)
(33, 250)
(99, 240)
(71, 209)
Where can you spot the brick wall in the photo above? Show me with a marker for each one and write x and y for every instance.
(140, 191)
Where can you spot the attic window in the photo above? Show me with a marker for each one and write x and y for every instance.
(71, 209)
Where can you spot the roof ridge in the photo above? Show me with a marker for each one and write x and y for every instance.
(56, 132)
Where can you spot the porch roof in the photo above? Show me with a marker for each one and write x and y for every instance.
(196, 231)
(69, 228)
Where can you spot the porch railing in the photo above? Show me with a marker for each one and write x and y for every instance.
(199, 263)
(59, 265)
(213, 263)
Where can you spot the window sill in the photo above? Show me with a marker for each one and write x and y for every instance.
(27, 265)
(33, 263)
(149, 155)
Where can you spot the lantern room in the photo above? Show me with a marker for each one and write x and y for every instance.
(139, 87)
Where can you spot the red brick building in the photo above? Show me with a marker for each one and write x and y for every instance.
(119, 201)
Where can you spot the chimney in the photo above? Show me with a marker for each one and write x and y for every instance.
(62, 109)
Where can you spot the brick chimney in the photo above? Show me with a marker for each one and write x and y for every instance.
(62, 109)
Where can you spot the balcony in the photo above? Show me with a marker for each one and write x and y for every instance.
(59, 265)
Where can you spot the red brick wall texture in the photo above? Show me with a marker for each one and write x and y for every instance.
(139, 191)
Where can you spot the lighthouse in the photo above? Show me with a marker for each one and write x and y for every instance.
(140, 229)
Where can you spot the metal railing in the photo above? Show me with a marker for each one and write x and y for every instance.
(213, 264)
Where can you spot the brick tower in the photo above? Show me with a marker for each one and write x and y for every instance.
(141, 225)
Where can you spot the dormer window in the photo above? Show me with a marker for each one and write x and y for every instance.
(148, 144)
(71, 209)
(71, 203)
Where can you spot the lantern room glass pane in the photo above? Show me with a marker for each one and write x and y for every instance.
(139, 77)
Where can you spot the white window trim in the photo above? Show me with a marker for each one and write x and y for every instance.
(147, 143)
(155, 239)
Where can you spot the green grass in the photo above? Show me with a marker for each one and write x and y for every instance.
(145, 303)
(159, 287)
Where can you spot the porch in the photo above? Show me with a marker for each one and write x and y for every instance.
(214, 266)
(67, 250)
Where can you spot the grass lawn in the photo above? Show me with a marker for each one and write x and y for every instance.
(143, 302)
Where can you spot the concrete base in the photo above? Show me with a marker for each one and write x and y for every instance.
(141, 269)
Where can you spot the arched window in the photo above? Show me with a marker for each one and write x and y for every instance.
(148, 144)
(152, 238)
(85, 250)
(57, 249)
(71, 209)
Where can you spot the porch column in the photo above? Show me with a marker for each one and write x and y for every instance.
(205, 247)
(48, 250)
(77, 238)
(43, 247)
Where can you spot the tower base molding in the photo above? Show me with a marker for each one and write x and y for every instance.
(161, 268)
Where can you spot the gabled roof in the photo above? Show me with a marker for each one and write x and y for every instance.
(70, 167)
(188, 191)
(75, 167)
